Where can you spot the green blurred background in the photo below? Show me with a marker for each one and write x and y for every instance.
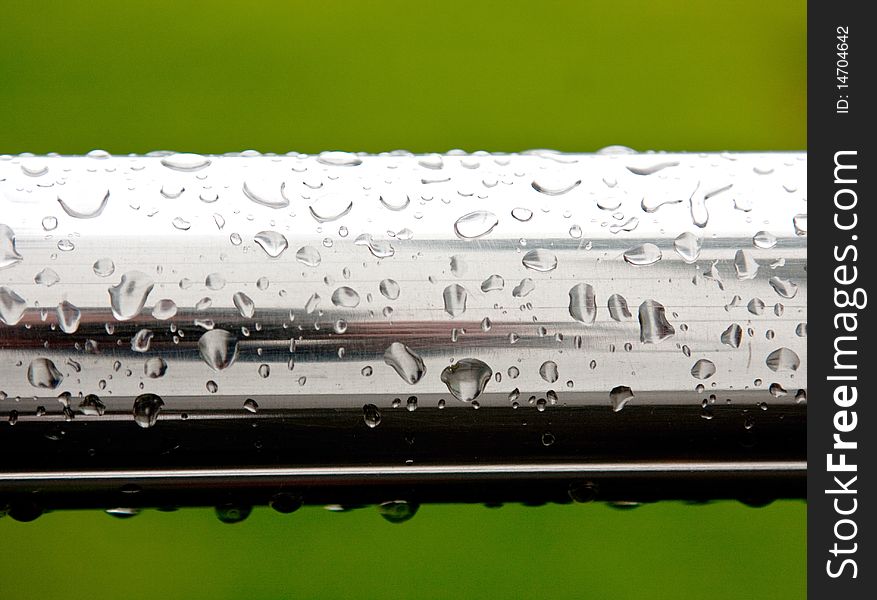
(214, 76)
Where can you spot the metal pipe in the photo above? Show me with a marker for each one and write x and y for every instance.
(355, 328)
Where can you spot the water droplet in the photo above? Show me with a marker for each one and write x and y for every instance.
(92, 406)
(703, 369)
(82, 203)
(371, 415)
(330, 207)
(554, 186)
(128, 297)
(273, 243)
(522, 214)
(49, 223)
(390, 289)
(164, 309)
(339, 159)
(245, 305)
(378, 248)
(540, 260)
(455, 297)
(9, 256)
(653, 168)
(172, 191)
(467, 378)
(653, 324)
(66, 245)
(218, 348)
(141, 341)
(783, 287)
(548, 371)
(688, 246)
(68, 317)
(647, 254)
(764, 240)
(405, 362)
(251, 406)
(783, 359)
(185, 162)
(233, 513)
(494, 283)
(801, 330)
(618, 308)
(394, 200)
(777, 391)
(215, 281)
(619, 396)
(42, 373)
(312, 303)
(755, 306)
(12, 306)
(583, 303)
(732, 336)
(475, 224)
(745, 265)
(267, 192)
(800, 223)
(47, 277)
(146, 409)
(104, 267)
(264, 371)
(155, 367)
(397, 511)
(524, 288)
(308, 256)
(345, 297)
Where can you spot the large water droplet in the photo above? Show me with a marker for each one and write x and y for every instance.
(308, 256)
(245, 305)
(128, 297)
(688, 246)
(618, 308)
(756, 306)
(83, 203)
(42, 373)
(455, 297)
(703, 369)
(548, 371)
(405, 362)
(783, 359)
(397, 511)
(466, 378)
(540, 260)
(185, 162)
(155, 367)
(330, 207)
(164, 309)
(12, 306)
(653, 324)
(745, 265)
(494, 283)
(783, 287)
(647, 254)
(475, 224)
(68, 317)
(371, 415)
(619, 396)
(218, 348)
(764, 240)
(583, 303)
(390, 289)
(345, 297)
(733, 335)
(9, 256)
(524, 288)
(47, 277)
(272, 242)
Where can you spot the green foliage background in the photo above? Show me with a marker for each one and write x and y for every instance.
(214, 76)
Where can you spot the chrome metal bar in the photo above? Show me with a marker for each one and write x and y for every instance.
(443, 327)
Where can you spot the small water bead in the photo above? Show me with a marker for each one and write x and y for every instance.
(548, 371)
(83, 203)
(647, 254)
(555, 185)
(208, 196)
(455, 297)
(155, 367)
(745, 265)
(777, 391)
(330, 207)
(264, 371)
(755, 306)
(654, 326)
(272, 242)
(618, 308)
(703, 369)
(340, 326)
(313, 303)
(141, 341)
(214, 281)
(212, 386)
(486, 325)
(337, 158)
(732, 336)
(42, 373)
(366, 371)
(764, 240)
(235, 239)
(185, 162)
(49, 223)
(172, 191)
(801, 396)
(65, 245)
(12, 306)
(128, 297)
(146, 409)
(345, 297)
(398, 511)
(407, 363)
(164, 309)
(218, 348)
(524, 288)
(620, 396)
(522, 214)
(245, 305)
(575, 232)
(583, 303)
(251, 406)
(783, 287)
(204, 303)
(390, 289)
(475, 224)
(801, 330)
(371, 415)
(800, 223)
(494, 283)
(232, 513)
(513, 372)
(540, 260)
(783, 359)
(467, 378)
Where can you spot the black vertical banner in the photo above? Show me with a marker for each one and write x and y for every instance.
(842, 560)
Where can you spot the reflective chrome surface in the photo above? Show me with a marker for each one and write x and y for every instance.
(246, 291)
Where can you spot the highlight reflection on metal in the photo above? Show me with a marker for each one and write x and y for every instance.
(553, 290)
